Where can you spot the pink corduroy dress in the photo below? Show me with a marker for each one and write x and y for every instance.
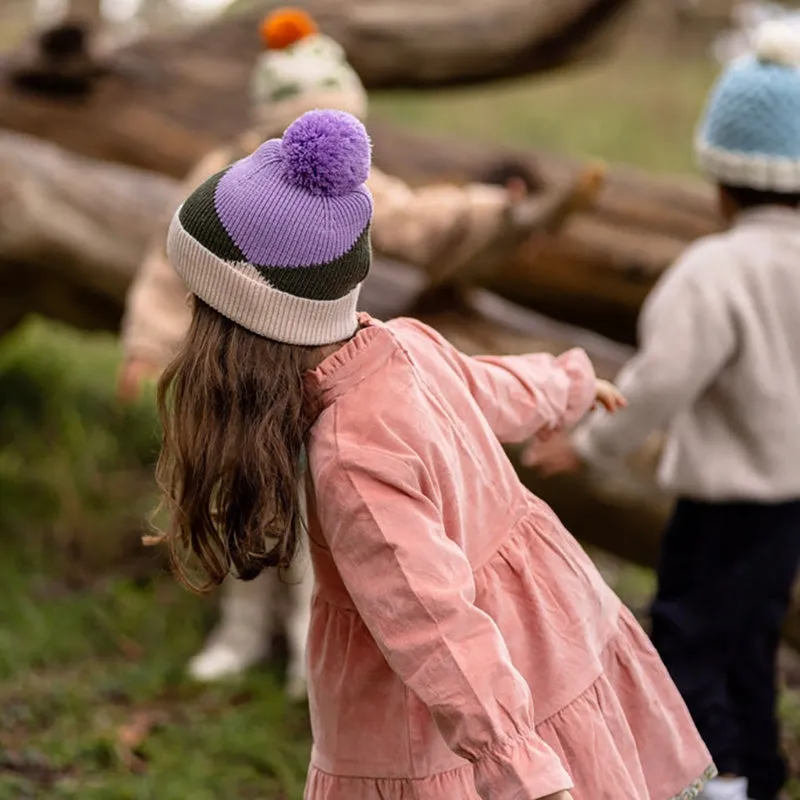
(462, 644)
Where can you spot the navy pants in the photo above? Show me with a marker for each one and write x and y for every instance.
(724, 584)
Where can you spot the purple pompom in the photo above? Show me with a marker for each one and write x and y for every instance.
(326, 153)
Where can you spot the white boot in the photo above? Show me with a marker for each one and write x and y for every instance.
(243, 635)
(725, 789)
(251, 611)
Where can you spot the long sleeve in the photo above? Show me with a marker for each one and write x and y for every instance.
(521, 396)
(686, 334)
(414, 590)
(157, 314)
(419, 225)
(477, 260)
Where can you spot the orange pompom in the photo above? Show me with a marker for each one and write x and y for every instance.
(285, 26)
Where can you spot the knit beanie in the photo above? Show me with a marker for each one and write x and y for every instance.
(279, 241)
(750, 133)
(301, 69)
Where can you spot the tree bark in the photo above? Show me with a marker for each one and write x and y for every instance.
(595, 273)
(72, 232)
(444, 42)
(88, 12)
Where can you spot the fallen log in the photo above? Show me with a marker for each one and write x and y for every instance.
(163, 102)
(72, 232)
(72, 227)
(596, 273)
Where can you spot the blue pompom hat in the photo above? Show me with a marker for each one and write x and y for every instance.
(750, 132)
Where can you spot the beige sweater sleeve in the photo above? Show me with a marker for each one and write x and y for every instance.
(157, 314)
(459, 232)
(418, 225)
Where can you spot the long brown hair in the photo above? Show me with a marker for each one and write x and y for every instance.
(232, 407)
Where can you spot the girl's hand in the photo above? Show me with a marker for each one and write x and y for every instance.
(552, 452)
(609, 397)
(558, 796)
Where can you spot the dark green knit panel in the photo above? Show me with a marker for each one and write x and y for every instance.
(328, 281)
(199, 219)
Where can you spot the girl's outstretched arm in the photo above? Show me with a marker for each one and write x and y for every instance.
(413, 587)
(522, 396)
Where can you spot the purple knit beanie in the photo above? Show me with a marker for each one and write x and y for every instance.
(279, 241)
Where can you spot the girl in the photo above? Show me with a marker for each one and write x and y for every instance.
(462, 645)
(301, 69)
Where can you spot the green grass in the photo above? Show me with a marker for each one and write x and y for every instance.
(80, 668)
(93, 635)
(639, 111)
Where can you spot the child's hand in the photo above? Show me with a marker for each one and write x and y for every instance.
(133, 375)
(609, 397)
(552, 455)
(588, 185)
(552, 452)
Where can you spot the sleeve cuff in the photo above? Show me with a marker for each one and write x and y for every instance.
(147, 348)
(582, 385)
(523, 768)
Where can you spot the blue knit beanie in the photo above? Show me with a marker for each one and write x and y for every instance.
(750, 133)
